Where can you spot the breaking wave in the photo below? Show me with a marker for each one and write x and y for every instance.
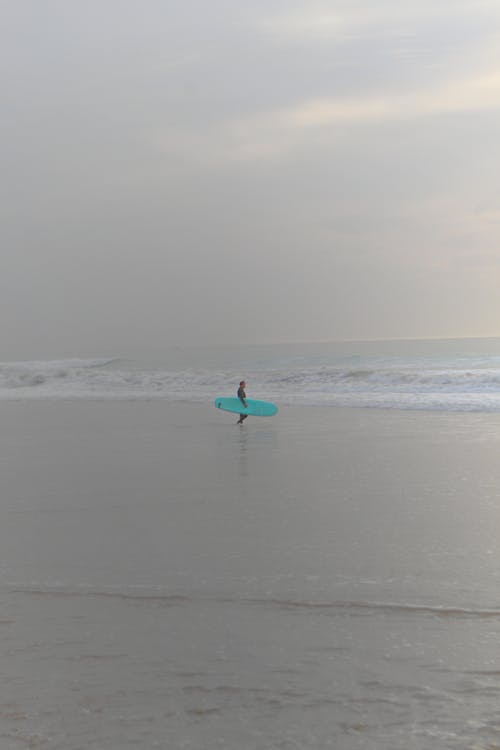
(412, 386)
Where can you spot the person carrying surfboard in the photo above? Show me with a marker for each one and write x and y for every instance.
(242, 397)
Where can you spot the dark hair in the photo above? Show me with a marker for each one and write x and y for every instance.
(241, 382)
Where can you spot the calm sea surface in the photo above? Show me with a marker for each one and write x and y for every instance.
(329, 577)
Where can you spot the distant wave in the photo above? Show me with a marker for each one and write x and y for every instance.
(412, 386)
(451, 388)
(24, 374)
(395, 379)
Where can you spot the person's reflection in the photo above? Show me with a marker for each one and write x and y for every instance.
(242, 438)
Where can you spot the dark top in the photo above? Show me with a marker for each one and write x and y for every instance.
(242, 395)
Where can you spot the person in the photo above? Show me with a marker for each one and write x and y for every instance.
(242, 396)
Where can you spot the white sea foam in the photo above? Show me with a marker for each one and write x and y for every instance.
(471, 384)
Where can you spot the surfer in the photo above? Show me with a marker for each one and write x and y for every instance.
(242, 397)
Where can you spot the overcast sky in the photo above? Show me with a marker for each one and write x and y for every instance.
(201, 172)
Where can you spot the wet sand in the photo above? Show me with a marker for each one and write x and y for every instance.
(323, 578)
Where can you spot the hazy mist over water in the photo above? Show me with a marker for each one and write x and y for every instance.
(219, 173)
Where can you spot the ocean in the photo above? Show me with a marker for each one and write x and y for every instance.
(326, 578)
(445, 375)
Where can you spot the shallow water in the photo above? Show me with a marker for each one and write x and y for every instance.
(325, 578)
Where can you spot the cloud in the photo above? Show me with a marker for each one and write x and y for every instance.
(304, 23)
(275, 133)
(472, 94)
(317, 21)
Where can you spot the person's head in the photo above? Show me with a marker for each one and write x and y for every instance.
(242, 383)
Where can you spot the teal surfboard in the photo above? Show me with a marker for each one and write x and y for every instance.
(255, 408)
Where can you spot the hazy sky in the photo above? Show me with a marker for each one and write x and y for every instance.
(202, 172)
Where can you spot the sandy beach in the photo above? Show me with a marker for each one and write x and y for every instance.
(325, 578)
